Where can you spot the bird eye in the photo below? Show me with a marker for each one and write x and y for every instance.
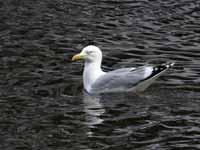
(89, 52)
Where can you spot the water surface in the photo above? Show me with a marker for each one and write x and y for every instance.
(42, 103)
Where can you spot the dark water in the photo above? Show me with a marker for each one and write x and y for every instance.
(42, 105)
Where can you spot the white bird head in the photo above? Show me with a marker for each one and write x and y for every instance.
(90, 53)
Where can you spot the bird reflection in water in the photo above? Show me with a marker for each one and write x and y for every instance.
(93, 109)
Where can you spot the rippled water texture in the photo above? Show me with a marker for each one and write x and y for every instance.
(42, 105)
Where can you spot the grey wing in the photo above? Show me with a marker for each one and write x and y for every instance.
(127, 78)
(121, 79)
(123, 70)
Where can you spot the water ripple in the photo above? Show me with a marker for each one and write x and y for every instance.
(42, 104)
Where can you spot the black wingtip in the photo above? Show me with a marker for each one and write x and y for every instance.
(169, 64)
(162, 67)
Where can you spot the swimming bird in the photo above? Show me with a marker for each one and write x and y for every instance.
(96, 81)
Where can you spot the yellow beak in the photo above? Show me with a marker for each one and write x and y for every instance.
(77, 57)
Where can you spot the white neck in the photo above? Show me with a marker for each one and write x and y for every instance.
(92, 71)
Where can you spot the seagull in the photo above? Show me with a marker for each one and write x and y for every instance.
(96, 81)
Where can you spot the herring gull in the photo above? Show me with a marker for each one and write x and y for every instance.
(96, 81)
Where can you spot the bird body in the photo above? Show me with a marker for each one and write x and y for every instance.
(91, 74)
(125, 79)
